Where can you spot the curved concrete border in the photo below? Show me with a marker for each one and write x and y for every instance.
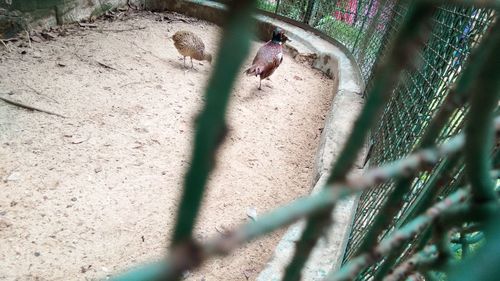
(346, 105)
(332, 59)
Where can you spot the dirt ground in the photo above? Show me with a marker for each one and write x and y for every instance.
(87, 196)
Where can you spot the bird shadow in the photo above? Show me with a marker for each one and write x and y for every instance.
(255, 93)
(180, 66)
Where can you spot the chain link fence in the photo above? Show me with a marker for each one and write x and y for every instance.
(419, 94)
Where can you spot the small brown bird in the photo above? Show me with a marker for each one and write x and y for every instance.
(190, 45)
(269, 56)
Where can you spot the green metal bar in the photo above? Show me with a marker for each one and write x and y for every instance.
(350, 270)
(483, 265)
(389, 209)
(151, 272)
(429, 276)
(398, 168)
(386, 266)
(480, 214)
(385, 38)
(464, 245)
(425, 258)
(469, 212)
(210, 125)
(309, 9)
(474, 227)
(479, 127)
(421, 203)
(496, 157)
(427, 233)
(442, 241)
(369, 33)
(415, 277)
(424, 239)
(430, 190)
(422, 261)
(492, 4)
(363, 24)
(473, 239)
(358, 8)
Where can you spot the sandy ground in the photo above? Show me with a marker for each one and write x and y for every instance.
(92, 194)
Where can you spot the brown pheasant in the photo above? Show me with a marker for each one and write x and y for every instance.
(269, 56)
(190, 45)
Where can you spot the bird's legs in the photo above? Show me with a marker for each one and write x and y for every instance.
(184, 61)
(192, 66)
(260, 84)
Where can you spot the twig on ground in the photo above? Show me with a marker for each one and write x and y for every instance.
(105, 65)
(147, 51)
(130, 83)
(13, 39)
(96, 61)
(122, 30)
(90, 25)
(5, 45)
(29, 107)
(41, 94)
(179, 19)
(29, 38)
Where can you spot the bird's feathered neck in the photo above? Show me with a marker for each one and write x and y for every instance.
(276, 38)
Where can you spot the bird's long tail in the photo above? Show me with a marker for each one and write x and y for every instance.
(254, 70)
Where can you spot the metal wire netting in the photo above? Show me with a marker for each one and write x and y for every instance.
(419, 94)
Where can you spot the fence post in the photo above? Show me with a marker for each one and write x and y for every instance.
(362, 25)
(307, 16)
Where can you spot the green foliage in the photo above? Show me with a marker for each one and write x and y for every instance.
(339, 30)
(293, 9)
(103, 8)
(266, 5)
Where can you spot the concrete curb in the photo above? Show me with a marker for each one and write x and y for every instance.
(346, 105)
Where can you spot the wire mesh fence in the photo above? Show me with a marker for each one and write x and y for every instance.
(419, 94)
